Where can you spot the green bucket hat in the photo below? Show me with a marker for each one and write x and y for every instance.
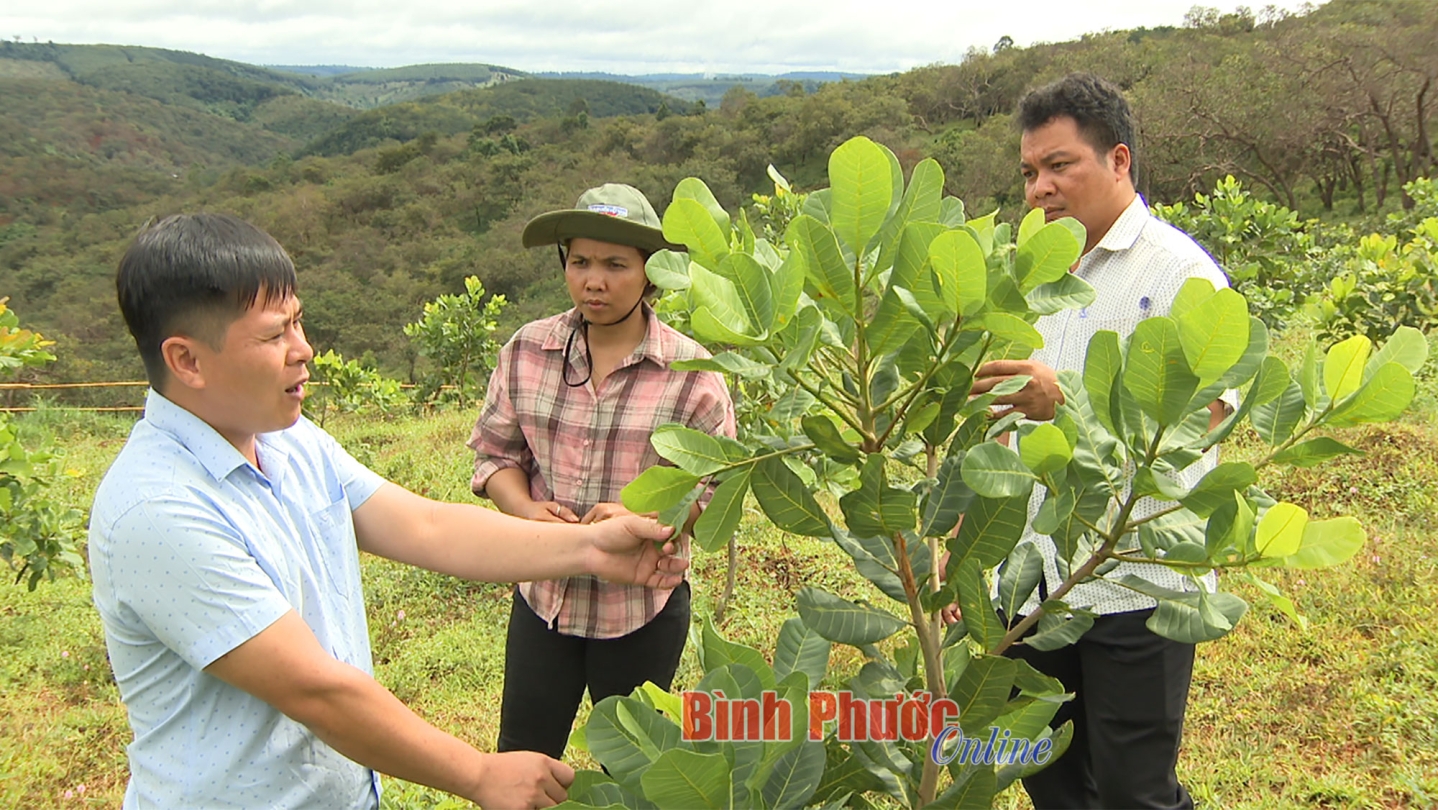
(613, 213)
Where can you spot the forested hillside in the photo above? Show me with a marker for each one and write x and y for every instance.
(1329, 113)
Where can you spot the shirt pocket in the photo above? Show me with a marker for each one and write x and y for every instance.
(335, 547)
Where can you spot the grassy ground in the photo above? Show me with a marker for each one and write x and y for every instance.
(1338, 716)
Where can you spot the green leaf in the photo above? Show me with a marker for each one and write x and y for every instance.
(627, 737)
(1280, 532)
(720, 519)
(668, 270)
(973, 790)
(946, 500)
(1019, 577)
(719, 297)
(822, 431)
(786, 500)
(795, 776)
(911, 267)
(725, 363)
(677, 514)
(1046, 256)
(1276, 598)
(665, 702)
(1059, 739)
(1006, 327)
(789, 407)
(1194, 291)
(692, 188)
(687, 779)
(875, 560)
(657, 489)
(1229, 526)
(1314, 452)
(1102, 364)
(1156, 372)
(982, 229)
(1055, 631)
(875, 508)
(1035, 683)
(1069, 292)
(1407, 347)
(1327, 543)
(1032, 222)
(1198, 617)
(862, 190)
(920, 203)
(694, 451)
(995, 471)
(1272, 380)
(800, 649)
(596, 789)
(1045, 450)
(689, 223)
(787, 284)
(1214, 334)
(990, 529)
(1275, 421)
(1343, 367)
(752, 285)
(983, 623)
(718, 652)
(845, 622)
(1218, 485)
(1382, 399)
(711, 330)
(960, 272)
(844, 775)
(1080, 233)
(983, 690)
(823, 261)
(1308, 378)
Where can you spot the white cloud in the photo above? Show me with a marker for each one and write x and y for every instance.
(637, 36)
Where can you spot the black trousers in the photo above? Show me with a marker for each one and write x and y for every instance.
(546, 672)
(1132, 690)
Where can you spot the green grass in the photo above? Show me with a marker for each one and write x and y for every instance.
(1338, 716)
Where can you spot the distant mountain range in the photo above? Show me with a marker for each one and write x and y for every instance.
(707, 87)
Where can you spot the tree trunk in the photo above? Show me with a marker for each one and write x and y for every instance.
(728, 593)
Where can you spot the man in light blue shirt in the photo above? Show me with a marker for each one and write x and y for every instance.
(224, 545)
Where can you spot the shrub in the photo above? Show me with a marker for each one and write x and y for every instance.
(456, 335)
(1265, 250)
(39, 533)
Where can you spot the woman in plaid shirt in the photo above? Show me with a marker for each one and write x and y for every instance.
(566, 423)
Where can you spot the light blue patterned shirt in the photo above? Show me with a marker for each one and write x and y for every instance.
(194, 551)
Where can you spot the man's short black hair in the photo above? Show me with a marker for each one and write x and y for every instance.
(194, 275)
(1098, 107)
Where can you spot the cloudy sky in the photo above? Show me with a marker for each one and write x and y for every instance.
(632, 36)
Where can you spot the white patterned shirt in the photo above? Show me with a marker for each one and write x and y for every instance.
(1137, 269)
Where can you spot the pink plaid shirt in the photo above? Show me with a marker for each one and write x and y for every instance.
(580, 446)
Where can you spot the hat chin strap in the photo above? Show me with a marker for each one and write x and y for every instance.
(626, 317)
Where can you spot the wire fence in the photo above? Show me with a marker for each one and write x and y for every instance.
(41, 387)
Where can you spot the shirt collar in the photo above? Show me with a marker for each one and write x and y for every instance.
(654, 346)
(1125, 230)
(213, 451)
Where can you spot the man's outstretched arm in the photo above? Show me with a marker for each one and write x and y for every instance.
(285, 666)
(476, 543)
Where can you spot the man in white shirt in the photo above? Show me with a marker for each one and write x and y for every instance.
(1131, 685)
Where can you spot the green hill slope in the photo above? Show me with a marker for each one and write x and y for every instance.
(520, 99)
